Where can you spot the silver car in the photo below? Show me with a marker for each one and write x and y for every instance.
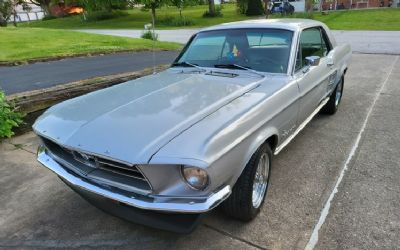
(164, 149)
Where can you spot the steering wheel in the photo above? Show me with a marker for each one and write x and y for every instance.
(269, 61)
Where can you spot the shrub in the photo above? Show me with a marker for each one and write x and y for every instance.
(105, 15)
(148, 34)
(8, 117)
(218, 12)
(254, 8)
(241, 6)
(48, 17)
(177, 21)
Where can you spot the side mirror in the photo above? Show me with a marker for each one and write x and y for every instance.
(330, 61)
(311, 61)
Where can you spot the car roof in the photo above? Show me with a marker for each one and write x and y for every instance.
(293, 24)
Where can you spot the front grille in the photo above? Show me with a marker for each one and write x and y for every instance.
(101, 170)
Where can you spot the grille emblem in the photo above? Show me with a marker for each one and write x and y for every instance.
(88, 160)
(85, 156)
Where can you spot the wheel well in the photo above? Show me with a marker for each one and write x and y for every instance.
(272, 142)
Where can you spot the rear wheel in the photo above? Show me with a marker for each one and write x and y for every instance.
(334, 100)
(249, 192)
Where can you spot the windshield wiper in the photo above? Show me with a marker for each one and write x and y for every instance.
(187, 64)
(236, 66)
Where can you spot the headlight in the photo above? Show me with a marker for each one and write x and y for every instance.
(197, 178)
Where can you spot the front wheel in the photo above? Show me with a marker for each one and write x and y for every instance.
(334, 100)
(249, 192)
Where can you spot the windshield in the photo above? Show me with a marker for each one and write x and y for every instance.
(265, 50)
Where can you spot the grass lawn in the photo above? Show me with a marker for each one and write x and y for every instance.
(376, 19)
(20, 44)
(138, 18)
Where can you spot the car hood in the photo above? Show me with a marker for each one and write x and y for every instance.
(132, 121)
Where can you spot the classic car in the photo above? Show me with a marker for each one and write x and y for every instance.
(164, 149)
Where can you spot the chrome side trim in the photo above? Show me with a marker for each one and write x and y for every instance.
(178, 204)
(300, 127)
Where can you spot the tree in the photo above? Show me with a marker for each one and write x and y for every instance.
(44, 4)
(180, 4)
(309, 5)
(211, 7)
(153, 5)
(254, 8)
(8, 9)
(5, 12)
(241, 6)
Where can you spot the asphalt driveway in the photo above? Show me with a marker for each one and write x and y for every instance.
(47, 74)
(356, 151)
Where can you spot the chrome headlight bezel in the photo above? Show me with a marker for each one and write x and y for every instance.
(41, 149)
(191, 175)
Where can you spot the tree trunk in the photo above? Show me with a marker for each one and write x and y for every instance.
(46, 10)
(3, 21)
(15, 17)
(180, 12)
(254, 8)
(153, 15)
(211, 7)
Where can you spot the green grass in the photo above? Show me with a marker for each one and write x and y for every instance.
(373, 19)
(138, 18)
(21, 44)
(377, 19)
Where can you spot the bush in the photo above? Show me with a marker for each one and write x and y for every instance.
(241, 6)
(105, 15)
(8, 117)
(177, 21)
(3, 22)
(148, 34)
(218, 12)
(254, 8)
(48, 17)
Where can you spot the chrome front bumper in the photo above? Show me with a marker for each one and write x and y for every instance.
(154, 202)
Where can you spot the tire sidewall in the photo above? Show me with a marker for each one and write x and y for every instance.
(341, 93)
(330, 107)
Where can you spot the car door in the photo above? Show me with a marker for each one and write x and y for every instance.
(312, 80)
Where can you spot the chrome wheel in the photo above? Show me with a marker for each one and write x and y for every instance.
(338, 95)
(260, 180)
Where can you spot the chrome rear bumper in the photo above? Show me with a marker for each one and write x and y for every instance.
(151, 202)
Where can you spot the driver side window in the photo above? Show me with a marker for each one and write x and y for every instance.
(312, 43)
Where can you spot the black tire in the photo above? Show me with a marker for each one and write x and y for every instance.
(332, 105)
(240, 204)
